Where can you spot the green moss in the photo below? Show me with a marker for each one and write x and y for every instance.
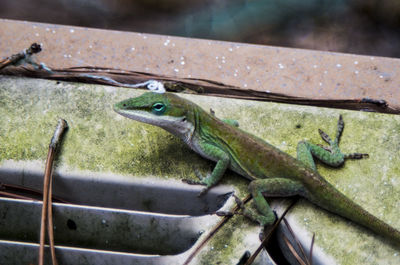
(98, 139)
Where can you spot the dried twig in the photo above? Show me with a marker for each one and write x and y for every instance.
(295, 239)
(24, 193)
(126, 78)
(15, 196)
(267, 237)
(61, 126)
(50, 225)
(16, 59)
(307, 260)
(294, 252)
(213, 232)
(310, 258)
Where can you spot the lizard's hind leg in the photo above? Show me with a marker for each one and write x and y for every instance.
(330, 155)
(270, 187)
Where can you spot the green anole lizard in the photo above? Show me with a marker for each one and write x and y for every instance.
(272, 172)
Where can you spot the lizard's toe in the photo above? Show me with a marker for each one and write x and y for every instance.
(192, 182)
(224, 213)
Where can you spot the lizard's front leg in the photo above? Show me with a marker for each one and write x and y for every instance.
(214, 153)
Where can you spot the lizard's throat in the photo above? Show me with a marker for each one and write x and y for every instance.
(178, 126)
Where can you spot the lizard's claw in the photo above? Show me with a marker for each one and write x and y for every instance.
(198, 174)
(200, 180)
(197, 182)
(224, 213)
(193, 182)
(276, 215)
(356, 156)
(203, 191)
(238, 201)
(327, 148)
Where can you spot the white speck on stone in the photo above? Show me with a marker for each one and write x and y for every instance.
(34, 27)
(173, 44)
(216, 57)
(338, 65)
(393, 181)
(90, 46)
(356, 72)
(372, 58)
(268, 91)
(183, 63)
(236, 70)
(144, 37)
(258, 80)
(355, 62)
(381, 76)
(320, 84)
(37, 34)
(166, 42)
(248, 67)
(223, 57)
(189, 76)
(230, 49)
(281, 66)
(78, 52)
(132, 48)
(147, 69)
(315, 66)
(53, 31)
(65, 56)
(223, 61)
(325, 72)
(72, 30)
(245, 85)
(176, 70)
(103, 221)
(69, 55)
(47, 29)
(219, 66)
(182, 58)
(235, 74)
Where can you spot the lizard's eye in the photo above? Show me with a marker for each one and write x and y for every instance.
(158, 108)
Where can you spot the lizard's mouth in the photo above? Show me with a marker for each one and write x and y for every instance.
(139, 115)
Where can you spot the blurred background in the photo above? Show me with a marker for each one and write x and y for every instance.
(370, 27)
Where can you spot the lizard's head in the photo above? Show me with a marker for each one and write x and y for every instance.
(166, 110)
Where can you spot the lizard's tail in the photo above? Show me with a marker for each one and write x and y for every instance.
(334, 201)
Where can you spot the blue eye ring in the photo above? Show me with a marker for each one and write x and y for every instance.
(158, 108)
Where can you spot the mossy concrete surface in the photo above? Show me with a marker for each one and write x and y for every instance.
(102, 141)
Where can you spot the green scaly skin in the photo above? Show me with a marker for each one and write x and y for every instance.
(271, 171)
